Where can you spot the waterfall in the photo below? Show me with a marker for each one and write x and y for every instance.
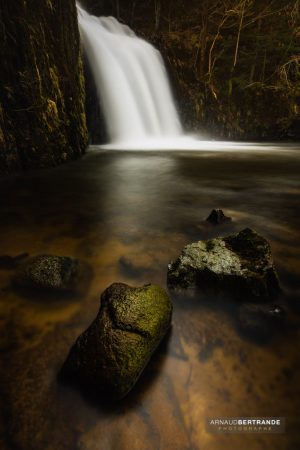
(131, 79)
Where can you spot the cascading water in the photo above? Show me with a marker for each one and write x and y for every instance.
(131, 80)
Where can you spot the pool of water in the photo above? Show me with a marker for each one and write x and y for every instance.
(126, 214)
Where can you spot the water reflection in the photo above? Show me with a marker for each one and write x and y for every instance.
(126, 215)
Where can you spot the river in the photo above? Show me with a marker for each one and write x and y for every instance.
(126, 214)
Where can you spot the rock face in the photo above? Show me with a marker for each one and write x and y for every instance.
(42, 112)
(48, 272)
(240, 264)
(111, 354)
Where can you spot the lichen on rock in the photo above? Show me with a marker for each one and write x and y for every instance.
(112, 353)
(241, 264)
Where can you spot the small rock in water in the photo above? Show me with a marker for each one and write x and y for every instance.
(217, 217)
(110, 355)
(261, 320)
(48, 272)
(240, 264)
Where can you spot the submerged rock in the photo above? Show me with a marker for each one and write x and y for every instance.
(240, 264)
(217, 217)
(112, 353)
(261, 320)
(49, 272)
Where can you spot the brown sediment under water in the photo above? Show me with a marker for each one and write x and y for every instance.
(126, 215)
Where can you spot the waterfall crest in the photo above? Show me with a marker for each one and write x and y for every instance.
(131, 80)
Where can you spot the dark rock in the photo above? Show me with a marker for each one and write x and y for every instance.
(240, 264)
(261, 320)
(11, 262)
(49, 272)
(110, 355)
(217, 217)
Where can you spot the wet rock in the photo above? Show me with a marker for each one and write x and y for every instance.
(217, 217)
(110, 355)
(240, 264)
(48, 272)
(261, 320)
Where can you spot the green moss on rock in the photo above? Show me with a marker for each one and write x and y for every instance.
(112, 353)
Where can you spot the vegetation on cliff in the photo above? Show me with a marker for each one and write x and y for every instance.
(42, 117)
(235, 64)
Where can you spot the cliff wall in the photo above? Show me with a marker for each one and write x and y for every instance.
(42, 97)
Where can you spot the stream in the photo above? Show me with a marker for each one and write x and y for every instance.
(126, 215)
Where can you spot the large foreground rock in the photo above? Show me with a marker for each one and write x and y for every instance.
(241, 264)
(111, 354)
(48, 272)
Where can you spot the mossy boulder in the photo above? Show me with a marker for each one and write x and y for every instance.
(111, 354)
(48, 272)
(241, 264)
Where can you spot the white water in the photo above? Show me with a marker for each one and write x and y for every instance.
(131, 80)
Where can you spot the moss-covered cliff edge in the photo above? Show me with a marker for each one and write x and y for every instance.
(42, 116)
(234, 64)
